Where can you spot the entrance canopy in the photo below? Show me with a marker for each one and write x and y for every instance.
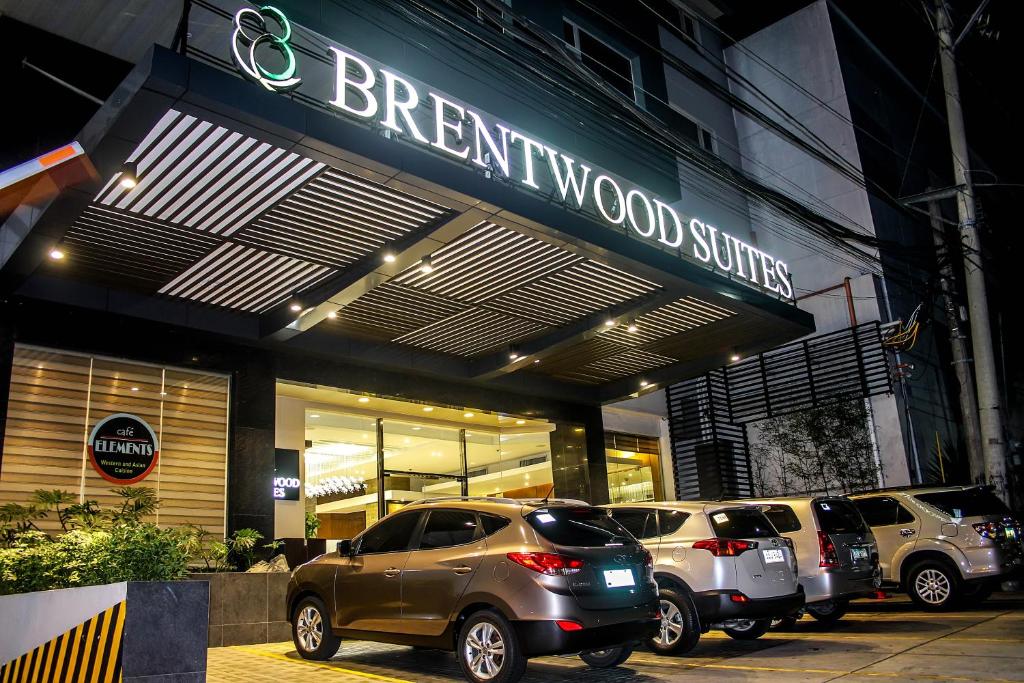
(224, 207)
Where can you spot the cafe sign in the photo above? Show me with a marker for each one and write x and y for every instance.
(123, 448)
(363, 89)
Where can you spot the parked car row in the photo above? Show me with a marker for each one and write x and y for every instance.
(501, 580)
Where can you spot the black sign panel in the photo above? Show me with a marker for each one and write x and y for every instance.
(286, 474)
(123, 448)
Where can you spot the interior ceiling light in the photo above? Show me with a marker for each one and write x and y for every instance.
(332, 314)
(56, 253)
(734, 357)
(468, 414)
(296, 307)
(428, 409)
(314, 416)
(364, 399)
(609, 322)
(644, 383)
(129, 175)
(520, 422)
(389, 257)
(632, 326)
(426, 265)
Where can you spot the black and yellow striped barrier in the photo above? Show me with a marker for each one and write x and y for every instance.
(89, 652)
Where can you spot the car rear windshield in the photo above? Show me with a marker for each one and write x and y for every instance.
(741, 523)
(967, 503)
(583, 527)
(783, 517)
(839, 517)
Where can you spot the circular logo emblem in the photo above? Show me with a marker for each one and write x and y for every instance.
(123, 448)
(251, 34)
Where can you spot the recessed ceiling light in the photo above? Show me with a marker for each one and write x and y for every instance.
(520, 422)
(129, 175)
(296, 307)
(644, 383)
(734, 357)
(428, 409)
(389, 257)
(416, 429)
(56, 254)
(364, 399)
(609, 323)
(332, 314)
(468, 414)
(135, 388)
(314, 416)
(513, 356)
(426, 265)
(578, 430)
(631, 327)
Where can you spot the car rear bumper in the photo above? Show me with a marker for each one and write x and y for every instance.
(539, 638)
(838, 584)
(716, 606)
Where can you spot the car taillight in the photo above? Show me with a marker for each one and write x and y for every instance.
(648, 559)
(828, 554)
(724, 547)
(551, 564)
(739, 597)
(988, 529)
(567, 625)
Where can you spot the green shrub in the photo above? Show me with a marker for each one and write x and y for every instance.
(100, 546)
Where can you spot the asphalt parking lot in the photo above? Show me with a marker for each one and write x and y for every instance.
(878, 641)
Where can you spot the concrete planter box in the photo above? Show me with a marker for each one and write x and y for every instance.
(247, 609)
(137, 632)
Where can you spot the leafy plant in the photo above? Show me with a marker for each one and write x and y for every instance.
(16, 520)
(242, 546)
(312, 524)
(827, 449)
(199, 545)
(52, 500)
(139, 501)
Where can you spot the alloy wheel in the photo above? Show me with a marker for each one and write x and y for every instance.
(484, 651)
(671, 624)
(310, 628)
(932, 586)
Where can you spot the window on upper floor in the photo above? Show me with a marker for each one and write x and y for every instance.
(701, 134)
(689, 25)
(607, 62)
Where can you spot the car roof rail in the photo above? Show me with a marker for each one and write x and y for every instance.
(917, 487)
(483, 499)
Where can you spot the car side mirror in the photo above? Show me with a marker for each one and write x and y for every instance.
(345, 548)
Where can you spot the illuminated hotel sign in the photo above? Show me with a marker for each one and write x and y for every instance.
(374, 93)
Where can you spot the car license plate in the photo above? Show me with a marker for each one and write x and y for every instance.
(617, 578)
(859, 553)
(774, 556)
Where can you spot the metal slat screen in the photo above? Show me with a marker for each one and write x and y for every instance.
(708, 414)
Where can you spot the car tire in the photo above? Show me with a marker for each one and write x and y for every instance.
(488, 649)
(311, 630)
(752, 630)
(608, 658)
(829, 611)
(678, 613)
(934, 586)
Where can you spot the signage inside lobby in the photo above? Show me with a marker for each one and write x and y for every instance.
(363, 89)
(286, 474)
(123, 448)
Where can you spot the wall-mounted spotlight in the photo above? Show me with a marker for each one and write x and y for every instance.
(129, 175)
(56, 253)
(426, 265)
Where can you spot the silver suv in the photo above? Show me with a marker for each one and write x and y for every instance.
(943, 545)
(835, 550)
(496, 580)
(717, 565)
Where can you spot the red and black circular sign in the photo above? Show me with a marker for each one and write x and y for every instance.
(123, 448)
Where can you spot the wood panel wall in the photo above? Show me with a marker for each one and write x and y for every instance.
(55, 400)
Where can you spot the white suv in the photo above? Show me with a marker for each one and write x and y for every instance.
(717, 565)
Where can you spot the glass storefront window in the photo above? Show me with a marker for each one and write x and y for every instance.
(634, 470)
(421, 461)
(514, 462)
(341, 469)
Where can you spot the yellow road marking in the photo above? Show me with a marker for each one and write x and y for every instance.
(321, 665)
(830, 672)
(865, 636)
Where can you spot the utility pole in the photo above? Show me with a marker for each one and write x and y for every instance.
(958, 343)
(989, 411)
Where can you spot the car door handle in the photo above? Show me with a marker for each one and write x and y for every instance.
(392, 572)
(907, 532)
(462, 570)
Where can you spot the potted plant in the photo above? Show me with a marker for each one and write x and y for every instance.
(107, 587)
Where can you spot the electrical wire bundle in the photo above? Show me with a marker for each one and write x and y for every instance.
(903, 336)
